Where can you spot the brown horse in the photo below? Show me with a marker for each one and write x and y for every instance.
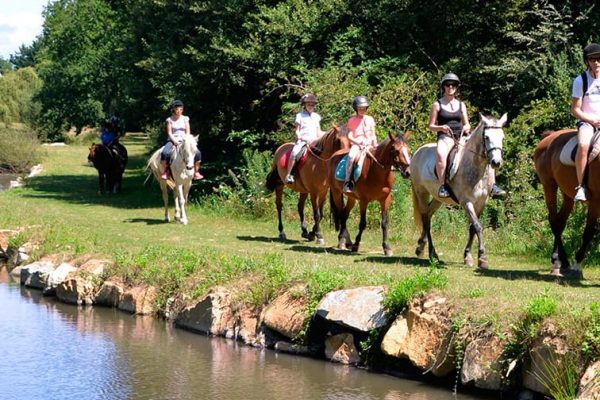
(375, 183)
(311, 178)
(556, 176)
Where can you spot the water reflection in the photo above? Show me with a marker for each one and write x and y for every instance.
(58, 351)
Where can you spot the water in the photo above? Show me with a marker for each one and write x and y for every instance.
(51, 350)
(5, 180)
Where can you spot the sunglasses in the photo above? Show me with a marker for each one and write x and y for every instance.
(594, 59)
(450, 84)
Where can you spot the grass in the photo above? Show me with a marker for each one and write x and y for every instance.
(61, 209)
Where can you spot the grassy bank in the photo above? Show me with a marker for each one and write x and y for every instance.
(61, 210)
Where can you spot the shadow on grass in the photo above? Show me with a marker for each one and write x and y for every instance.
(266, 239)
(147, 221)
(533, 275)
(413, 261)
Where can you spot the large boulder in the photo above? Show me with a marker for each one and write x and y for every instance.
(360, 308)
(56, 277)
(589, 387)
(213, 314)
(76, 289)
(547, 354)
(138, 300)
(424, 335)
(247, 327)
(287, 313)
(482, 360)
(110, 293)
(35, 275)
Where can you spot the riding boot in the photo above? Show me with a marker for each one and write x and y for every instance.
(197, 174)
(443, 191)
(497, 192)
(289, 178)
(347, 187)
(165, 173)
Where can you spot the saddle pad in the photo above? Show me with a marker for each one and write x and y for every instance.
(340, 170)
(285, 158)
(567, 154)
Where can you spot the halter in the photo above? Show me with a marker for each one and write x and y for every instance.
(487, 152)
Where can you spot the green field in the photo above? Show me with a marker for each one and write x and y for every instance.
(61, 209)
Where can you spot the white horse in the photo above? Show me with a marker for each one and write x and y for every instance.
(470, 183)
(182, 172)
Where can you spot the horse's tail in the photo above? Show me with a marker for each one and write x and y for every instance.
(273, 179)
(416, 212)
(154, 166)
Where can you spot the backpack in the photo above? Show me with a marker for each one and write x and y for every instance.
(585, 83)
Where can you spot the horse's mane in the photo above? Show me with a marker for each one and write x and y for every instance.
(558, 132)
(317, 146)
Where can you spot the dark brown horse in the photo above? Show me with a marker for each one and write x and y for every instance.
(110, 161)
(556, 176)
(311, 178)
(375, 183)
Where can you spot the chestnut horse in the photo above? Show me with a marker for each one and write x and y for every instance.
(470, 185)
(310, 179)
(556, 176)
(110, 163)
(375, 183)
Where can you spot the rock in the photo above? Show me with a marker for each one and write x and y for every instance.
(110, 294)
(359, 308)
(138, 300)
(589, 387)
(15, 273)
(424, 336)
(287, 347)
(547, 353)
(247, 327)
(95, 267)
(35, 275)
(76, 289)
(212, 315)
(340, 348)
(56, 277)
(287, 313)
(482, 363)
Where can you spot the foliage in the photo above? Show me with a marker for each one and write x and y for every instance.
(17, 91)
(400, 293)
(19, 149)
(591, 341)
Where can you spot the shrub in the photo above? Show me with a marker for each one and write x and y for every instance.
(19, 149)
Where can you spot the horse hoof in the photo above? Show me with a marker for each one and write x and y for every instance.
(311, 237)
(282, 236)
(556, 272)
(419, 252)
(355, 248)
(305, 235)
(341, 246)
(321, 241)
(184, 222)
(388, 252)
(469, 260)
(483, 264)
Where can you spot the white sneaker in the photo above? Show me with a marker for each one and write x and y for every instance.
(289, 179)
(579, 194)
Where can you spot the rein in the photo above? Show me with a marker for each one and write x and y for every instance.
(485, 153)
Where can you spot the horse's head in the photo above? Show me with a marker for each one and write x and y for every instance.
(493, 136)
(400, 153)
(332, 141)
(187, 151)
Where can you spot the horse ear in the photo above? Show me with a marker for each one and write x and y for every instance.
(391, 136)
(503, 119)
(405, 135)
(196, 138)
(485, 119)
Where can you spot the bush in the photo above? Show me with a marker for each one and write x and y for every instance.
(19, 149)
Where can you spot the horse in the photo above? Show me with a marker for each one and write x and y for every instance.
(182, 172)
(311, 179)
(555, 176)
(375, 183)
(470, 184)
(110, 163)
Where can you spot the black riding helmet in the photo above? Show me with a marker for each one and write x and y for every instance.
(450, 77)
(359, 101)
(308, 98)
(592, 49)
(176, 103)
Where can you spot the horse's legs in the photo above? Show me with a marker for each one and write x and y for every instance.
(476, 226)
(467, 256)
(165, 196)
(279, 205)
(362, 224)
(301, 204)
(588, 234)
(183, 193)
(100, 182)
(385, 206)
(317, 206)
(344, 211)
(558, 221)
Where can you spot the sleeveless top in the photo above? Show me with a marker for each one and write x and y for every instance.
(451, 118)
(309, 124)
(178, 127)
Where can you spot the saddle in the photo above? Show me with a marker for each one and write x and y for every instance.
(569, 150)
(340, 170)
(285, 159)
(453, 160)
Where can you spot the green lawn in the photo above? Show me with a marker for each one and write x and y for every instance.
(62, 208)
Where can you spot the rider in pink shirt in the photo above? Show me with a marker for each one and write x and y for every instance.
(361, 135)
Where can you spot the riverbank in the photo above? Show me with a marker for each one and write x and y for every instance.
(512, 302)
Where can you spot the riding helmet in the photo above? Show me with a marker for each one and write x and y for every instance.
(176, 103)
(308, 98)
(359, 101)
(449, 77)
(592, 49)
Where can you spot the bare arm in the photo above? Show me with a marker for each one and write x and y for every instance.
(433, 114)
(465, 120)
(578, 113)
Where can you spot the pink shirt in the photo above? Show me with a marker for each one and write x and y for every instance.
(362, 129)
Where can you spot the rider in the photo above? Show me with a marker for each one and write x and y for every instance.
(108, 133)
(361, 134)
(449, 118)
(177, 126)
(585, 106)
(308, 129)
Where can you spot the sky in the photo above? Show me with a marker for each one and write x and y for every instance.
(20, 22)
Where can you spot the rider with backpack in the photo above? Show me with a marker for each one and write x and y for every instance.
(585, 106)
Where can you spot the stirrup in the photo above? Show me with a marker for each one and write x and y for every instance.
(347, 187)
(289, 179)
(580, 194)
(443, 192)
